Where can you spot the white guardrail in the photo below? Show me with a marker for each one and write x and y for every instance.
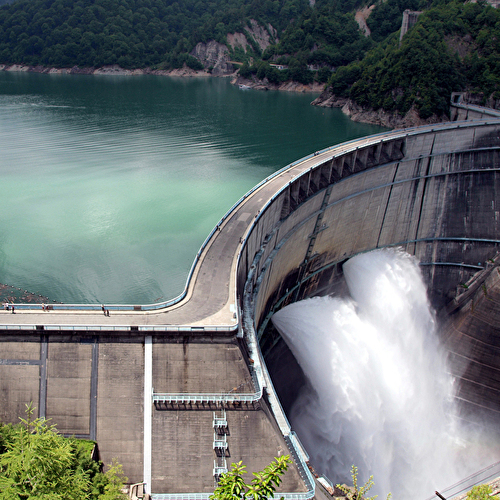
(207, 398)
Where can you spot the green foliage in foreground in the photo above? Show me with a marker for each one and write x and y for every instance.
(481, 492)
(357, 492)
(37, 463)
(262, 486)
(454, 46)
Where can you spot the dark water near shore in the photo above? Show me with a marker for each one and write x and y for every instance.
(110, 185)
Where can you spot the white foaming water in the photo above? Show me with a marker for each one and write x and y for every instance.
(380, 396)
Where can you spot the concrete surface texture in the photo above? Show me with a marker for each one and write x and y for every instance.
(433, 190)
(474, 359)
(439, 205)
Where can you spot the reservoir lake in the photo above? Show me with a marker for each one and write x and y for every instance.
(110, 184)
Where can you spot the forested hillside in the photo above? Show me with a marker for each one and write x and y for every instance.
(453, 47)
(131, 33)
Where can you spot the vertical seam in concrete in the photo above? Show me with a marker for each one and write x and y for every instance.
(387, 203)
(148, 390)
(93, 390)
(42, 398)
(424, 189)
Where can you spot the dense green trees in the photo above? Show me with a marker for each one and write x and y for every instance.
(141, 33)
(324, 38)
(131, 33)
(387, 16)
(453, 47)
(37, 463)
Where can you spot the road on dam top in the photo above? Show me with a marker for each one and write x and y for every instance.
(210, 298)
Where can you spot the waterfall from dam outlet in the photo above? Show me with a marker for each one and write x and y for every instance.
(378, 395)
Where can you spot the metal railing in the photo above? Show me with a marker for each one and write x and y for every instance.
(122, 328)
(220, 422)
(220, 442)
(482, 476)
(181, 496)
(206, 496)
(342, 149)
(182, 398)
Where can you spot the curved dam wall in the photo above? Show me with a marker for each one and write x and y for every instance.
(434, 191)
(145, 382)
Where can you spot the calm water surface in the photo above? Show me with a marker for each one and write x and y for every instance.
(110, 185)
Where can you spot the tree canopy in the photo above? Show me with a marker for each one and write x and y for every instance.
(37, 463)
(453, 47)
(130, 33)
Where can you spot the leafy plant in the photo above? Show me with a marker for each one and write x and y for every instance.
(357, 492)
(481, 492)
(262, 486)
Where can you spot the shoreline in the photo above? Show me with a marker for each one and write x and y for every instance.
(115, 70)
(325, 99)
(375, 117)
(112, 70)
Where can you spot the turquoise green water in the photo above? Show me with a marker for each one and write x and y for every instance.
(110, 185)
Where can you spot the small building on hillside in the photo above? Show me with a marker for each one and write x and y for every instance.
(409, 20)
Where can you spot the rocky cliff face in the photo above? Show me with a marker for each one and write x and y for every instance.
(237, 40)
(378, 117)
(263, 36)
(289, 86)
(214, 55)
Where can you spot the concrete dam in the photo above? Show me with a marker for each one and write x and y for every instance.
(180, 390)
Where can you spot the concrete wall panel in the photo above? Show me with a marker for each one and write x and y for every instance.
(401, 218)
(289, 258)
(68, 386)
(183, 455)
(19, 385)
(296, 218)
(11, 350)
(196, 368)
(120, 406)
(357, 221)
(255, 430)
(420, 145)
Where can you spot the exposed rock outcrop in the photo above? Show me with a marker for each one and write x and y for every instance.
(290, 86)
(361, 17)
(236, 40)
(378, 117)
(214, 55)
(261, 35)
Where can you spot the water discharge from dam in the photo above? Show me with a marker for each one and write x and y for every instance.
(378, 393)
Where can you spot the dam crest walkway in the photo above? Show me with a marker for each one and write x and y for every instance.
(209, 301)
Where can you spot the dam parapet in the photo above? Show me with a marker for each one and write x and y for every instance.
(431, 190)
